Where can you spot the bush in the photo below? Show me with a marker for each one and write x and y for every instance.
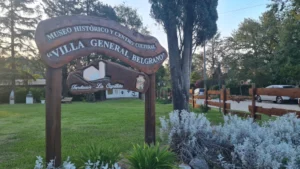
(164, 101)
(151, 157)
(214, 87)
(93, 154)
(238, 143)
(21, 92)
(4, 95)
(236, 89)
(38, 94)
(20, 95)
(180, 129)
(204, 108)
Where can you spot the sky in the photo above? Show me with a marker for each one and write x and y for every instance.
(231, 14)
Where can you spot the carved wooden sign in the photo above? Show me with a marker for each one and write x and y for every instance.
(65, 38)
(103, 75)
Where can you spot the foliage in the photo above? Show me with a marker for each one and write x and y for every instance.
(160, 77)
(54, 8)
(164, 101)
(150, 157)
(236, 89)
(204, 108)
(17, 24)
(94, 153)
(38, 94)
(4, 95)
(266, 50)
(238, 143)
(197, 62)
(195, 76)
(39, 164)
(129, 17)
(20, 95)
(215, 51)
(215, 87)
(187, 24)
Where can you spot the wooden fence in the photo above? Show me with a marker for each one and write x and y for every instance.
(224, 95)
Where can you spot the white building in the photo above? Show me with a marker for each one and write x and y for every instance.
(121, 93)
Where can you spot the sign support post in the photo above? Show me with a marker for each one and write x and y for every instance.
(150, 111)
(53, 115)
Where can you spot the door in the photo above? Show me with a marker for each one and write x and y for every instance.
(266, 97)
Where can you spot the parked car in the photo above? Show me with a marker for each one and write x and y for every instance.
(276, 99)
(199, 91)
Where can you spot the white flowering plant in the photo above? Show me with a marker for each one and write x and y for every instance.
(39, 164)
(238, 143)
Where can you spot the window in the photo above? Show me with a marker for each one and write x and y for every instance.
(110, 91)
(289, 86)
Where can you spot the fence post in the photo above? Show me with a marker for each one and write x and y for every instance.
(253, 101)
(206, 98)
(224, 99)
(193, 97)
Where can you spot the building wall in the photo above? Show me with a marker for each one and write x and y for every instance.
(121, 93)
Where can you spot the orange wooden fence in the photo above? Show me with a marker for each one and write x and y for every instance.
(253, 109)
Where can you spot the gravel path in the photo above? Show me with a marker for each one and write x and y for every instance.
(243, 106)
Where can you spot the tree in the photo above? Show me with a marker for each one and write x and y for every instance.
(187, 24)
(197, 62)
(195, 76)
(266, 50)
(160, 75)
(215, 52)
(17, 30)
(60, 8)
(129, 17)
(54, 8)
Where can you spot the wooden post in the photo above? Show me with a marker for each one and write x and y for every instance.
(53, 115)
(193, 92)
(150, 111)
(224, 99)
(253, 101)
(206, 98)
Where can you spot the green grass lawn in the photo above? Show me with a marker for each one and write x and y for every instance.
(118, 123)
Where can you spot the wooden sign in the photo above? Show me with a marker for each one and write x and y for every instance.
(103, 75)
(65, 38)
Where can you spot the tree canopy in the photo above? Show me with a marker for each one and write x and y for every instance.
(17, 26)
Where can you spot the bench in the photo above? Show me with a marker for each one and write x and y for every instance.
(67, 100)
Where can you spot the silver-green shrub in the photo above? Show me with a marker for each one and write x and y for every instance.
(238, 143)
(39, 164)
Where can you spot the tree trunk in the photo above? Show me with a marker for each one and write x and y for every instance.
(186, 61)
(13, 65)
(187, 56)
(178, 98)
